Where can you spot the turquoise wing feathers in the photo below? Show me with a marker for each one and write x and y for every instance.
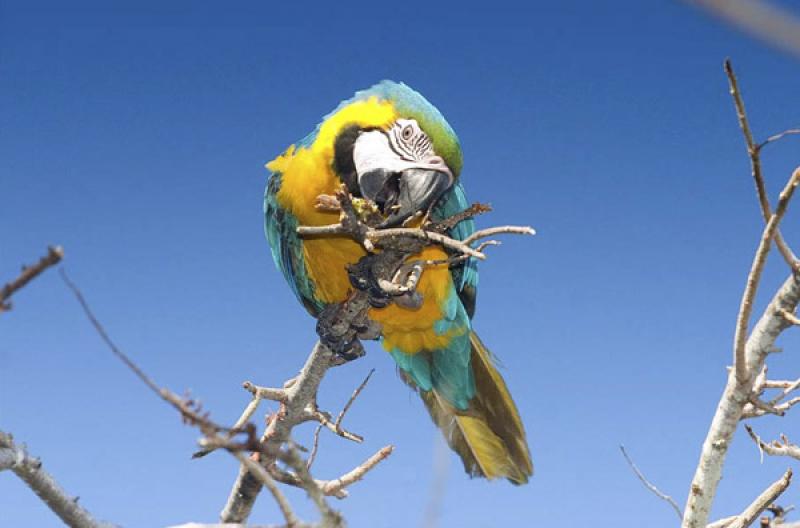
(280, 227)
(465, 275)
(448, 370)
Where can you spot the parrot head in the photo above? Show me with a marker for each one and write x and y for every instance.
(403, 158)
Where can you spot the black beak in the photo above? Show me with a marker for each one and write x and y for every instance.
(403, 194)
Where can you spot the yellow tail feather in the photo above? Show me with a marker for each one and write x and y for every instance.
(489, 436)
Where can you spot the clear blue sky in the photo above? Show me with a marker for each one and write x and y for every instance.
(136, 137)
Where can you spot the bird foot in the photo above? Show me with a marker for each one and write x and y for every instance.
(341, 338)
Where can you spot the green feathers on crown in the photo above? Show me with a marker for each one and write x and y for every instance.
(412, 105)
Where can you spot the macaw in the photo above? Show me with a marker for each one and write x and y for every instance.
(390, 145)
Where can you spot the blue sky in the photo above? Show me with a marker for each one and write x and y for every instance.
(135, 136)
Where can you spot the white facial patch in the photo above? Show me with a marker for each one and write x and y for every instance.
(372, 151)
(404, 146)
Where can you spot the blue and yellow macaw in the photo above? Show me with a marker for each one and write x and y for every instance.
(390, 145)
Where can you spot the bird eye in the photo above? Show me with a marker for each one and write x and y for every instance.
(407, 132)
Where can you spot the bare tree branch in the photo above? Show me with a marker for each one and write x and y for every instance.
(293, 411)
(766, 498)
(775, 448)
(266, 480)
(296, 400)
(747, 379)
(734, 398)
(333, 486)
(338, 423)
(53, 257)
(754, 152)
(350, 225)
(754, 278)
(779, 136)
(31, 471)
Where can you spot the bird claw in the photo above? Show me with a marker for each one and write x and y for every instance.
(345, 345)
(363, 278)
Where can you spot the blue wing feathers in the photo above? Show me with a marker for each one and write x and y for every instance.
(280, 227)
(448, 370)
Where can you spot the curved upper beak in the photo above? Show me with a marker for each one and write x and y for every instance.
(418, 190)
(400, 187)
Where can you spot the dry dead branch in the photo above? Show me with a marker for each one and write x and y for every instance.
(650, 486)
(767, 497)
(775, 448)
(754, 153)
(747, 380)
(30, 470)
(53, 257)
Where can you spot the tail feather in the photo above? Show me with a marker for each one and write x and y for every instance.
(489, 435)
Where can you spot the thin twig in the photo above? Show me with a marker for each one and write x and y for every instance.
(775, 448)
(754, 153)
(754, 411)
(338, 422)
(358, 473)
(314, 447)
(660, 494)
(53, 257)
(105, 337)
(377, 235)
(491, 231)
(313, 414)
(188, 408)
(240, 424)
(290, 478)
(761, 503)
(779, 136)
(754, 278)
(267, 393)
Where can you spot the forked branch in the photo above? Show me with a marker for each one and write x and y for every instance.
(747, 380)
